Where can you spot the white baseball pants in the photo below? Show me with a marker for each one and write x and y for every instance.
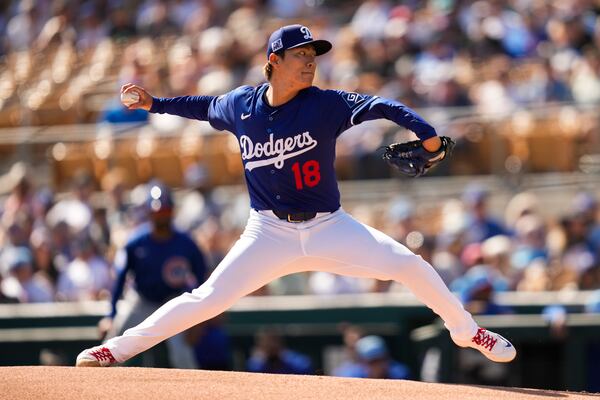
(134, 311)
(270, 248)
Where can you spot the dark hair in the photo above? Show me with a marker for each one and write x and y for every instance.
(268, 68)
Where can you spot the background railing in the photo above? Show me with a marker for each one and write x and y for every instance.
(312, 324)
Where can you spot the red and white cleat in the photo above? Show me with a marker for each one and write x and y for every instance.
(99, 356)
(491, 345)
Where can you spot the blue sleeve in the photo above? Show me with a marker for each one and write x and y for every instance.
(299, 363)
(193, 107)
(122, 266)
(398, 371)
(218, 111)
(356, 108)
(255, 364)
(222, 110)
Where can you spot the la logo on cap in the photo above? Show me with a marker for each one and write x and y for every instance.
(276, 45)
(292, 36)
(307, 34)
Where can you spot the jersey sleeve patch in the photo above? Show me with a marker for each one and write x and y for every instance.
(353, 99)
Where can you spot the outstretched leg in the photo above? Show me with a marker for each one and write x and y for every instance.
(367, 252)
(245, 269)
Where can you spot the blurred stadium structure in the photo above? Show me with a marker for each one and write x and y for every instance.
(516, 83)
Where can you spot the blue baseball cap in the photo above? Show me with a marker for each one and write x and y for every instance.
(291, 36)
(371, 348)
(16, 257)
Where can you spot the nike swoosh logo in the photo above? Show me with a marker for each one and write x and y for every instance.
(508, 345)
(244, 116)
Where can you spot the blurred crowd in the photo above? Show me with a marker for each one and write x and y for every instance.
(494, 55)
(61, 247)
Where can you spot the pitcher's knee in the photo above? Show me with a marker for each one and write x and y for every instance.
(212, 298)
(409, 266)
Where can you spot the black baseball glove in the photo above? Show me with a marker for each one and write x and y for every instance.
(412, 159)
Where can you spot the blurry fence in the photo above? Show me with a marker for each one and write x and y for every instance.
(311, 324)
(545, 359)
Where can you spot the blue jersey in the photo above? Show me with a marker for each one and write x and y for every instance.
(161, 269)
(287, 362)
(351, 369)
(288, 152)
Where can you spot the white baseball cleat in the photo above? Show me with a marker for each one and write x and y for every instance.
(491, 345)
(99, 356)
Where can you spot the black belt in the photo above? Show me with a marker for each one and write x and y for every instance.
(295, 217)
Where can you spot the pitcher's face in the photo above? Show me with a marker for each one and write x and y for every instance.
(298, 67)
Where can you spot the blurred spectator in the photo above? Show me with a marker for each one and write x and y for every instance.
(121, 26)
(480, 225)
(496, 252)
(20, 281)
(374, 362)
(530, 235)
(181, 10)
(17, 230)
(477, 289)
(401, 218)
(577, 254)
(99, 230)
(58, 28)
(270, 355)
(586, 205)
(75, 210)
(163, 263)
(60, 236)
(114, 183)
(350, 361)
(197, 205)
(521, 204)
(211, 344)
(450, 241)
(370, 19)
(153, 19)
(535, 278)
(44, 254)
(87, 277)
(92, 30)
(43, 200)
(556, 317)
(23, 27)
(18, 182)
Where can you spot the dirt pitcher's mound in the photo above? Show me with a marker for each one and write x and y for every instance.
(65, 383)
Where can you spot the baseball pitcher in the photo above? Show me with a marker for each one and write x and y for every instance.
(287, 130)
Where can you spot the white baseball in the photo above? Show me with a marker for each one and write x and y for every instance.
(129, 98)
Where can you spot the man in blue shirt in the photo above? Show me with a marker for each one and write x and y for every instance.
(270, 356)
(287, 131)
(374, 362)
(163, 263)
